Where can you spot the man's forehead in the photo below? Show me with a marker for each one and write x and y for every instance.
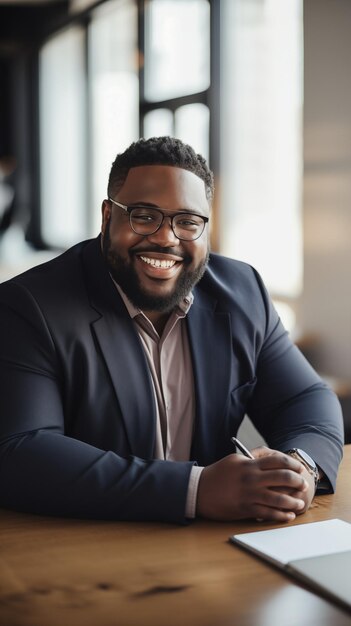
(164, 180)
(143, 173)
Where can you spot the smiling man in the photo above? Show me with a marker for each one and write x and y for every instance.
(157, 255)
(129, 362)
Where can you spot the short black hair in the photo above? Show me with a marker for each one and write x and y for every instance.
(159, 151)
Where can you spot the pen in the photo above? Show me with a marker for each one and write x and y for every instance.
(242, 448)
(247, 453)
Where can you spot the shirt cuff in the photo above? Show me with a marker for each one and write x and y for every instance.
(190, 508)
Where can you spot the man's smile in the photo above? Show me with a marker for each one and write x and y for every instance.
(158, 265)
(157, 262)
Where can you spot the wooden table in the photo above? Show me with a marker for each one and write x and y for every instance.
(58, 572)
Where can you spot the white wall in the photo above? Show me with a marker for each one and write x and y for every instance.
(325, 307)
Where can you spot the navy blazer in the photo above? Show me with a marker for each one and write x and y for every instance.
(77, 412)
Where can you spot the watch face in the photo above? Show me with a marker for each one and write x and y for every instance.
(306, 457)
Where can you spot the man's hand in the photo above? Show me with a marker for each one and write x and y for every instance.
(273, 486)
(307, 496)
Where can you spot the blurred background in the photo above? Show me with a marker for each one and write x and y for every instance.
(260, 87)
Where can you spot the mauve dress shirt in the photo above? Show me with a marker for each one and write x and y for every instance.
(171, 371)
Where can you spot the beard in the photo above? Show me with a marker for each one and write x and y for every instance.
(127, 278)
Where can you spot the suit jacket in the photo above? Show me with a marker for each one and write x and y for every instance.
(77, 412)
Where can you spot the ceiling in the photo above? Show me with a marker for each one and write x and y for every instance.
(24, 22)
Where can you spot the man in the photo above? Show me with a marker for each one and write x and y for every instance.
(128, 362)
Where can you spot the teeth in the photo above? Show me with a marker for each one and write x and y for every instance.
(158, 262)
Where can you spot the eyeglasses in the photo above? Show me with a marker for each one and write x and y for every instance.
(146, 221)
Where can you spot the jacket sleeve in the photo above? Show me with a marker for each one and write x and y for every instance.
(291, 405)
(44, 471)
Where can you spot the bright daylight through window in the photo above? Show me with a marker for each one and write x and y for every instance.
(261, 139)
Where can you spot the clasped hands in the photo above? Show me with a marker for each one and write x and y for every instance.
(274, 486)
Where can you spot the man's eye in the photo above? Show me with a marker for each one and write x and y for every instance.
(188, 222)
(143, 217)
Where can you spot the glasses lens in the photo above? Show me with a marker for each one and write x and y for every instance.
(145, 221)
(188, 226)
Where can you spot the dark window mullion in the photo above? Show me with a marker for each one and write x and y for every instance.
(141, 63)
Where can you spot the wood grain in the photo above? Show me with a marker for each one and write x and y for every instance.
(56, 572)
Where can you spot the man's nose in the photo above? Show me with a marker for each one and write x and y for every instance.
(165, 236)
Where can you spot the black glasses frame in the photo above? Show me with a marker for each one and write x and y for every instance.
(129, 210)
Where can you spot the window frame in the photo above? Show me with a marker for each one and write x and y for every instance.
(209, 97)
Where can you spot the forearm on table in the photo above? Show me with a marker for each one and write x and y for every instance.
(51, 474)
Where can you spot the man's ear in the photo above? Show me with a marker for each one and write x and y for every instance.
(106, 214)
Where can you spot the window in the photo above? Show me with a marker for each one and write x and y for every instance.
(177, 71)
(89, 111)
(114, 92)
(261, 139)
(62, 139)
(177, 50)
(190, 123)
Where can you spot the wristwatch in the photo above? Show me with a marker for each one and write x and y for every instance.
(306, 461)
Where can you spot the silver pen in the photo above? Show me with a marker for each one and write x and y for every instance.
(242, 448)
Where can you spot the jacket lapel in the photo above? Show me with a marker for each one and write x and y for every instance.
(123, 355)
(210, 342)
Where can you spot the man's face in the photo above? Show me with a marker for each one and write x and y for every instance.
(134, 260)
